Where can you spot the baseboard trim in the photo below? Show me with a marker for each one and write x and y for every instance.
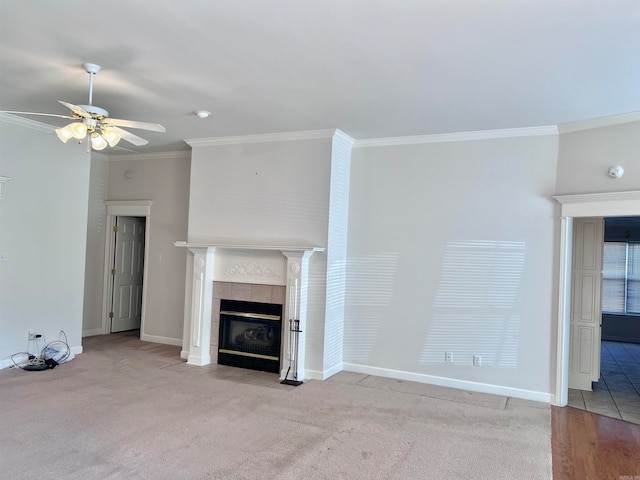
(176, 342)
(184, 354)
(324, 374)
(313, 374)
(6, 363)
(330, 372)
(450, 382)
(91, 333)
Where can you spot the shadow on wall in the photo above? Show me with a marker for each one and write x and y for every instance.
(370, 284)
(477, 305)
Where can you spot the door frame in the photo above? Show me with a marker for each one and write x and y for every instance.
(124, 208)
(610, 204)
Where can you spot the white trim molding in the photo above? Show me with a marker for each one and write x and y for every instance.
(600, 204)
(450, 382)
(607, 204)
(26, 123)
(179, 155)
(458, 136)
(91, 333)
(3, 180)
(599, 122)
(267, 137)
(176, 342)
(132, 208)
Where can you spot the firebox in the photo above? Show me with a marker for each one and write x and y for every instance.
(250, 335)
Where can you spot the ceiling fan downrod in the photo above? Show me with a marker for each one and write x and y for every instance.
(91, 69)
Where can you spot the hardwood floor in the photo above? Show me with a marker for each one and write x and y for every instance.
(588, 446)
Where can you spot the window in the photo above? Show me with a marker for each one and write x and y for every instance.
(621, 278)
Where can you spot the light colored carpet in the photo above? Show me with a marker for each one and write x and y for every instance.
(132, 410)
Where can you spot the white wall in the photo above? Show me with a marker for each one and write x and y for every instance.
(96, 239)
(164, 179)
(43, 227)
(585, 157)
(451, 248)
(267, 193)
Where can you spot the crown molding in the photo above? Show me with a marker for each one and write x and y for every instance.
(343, 137)
(179, 155)
(263, 138)
(458, 136)
(598, 197)
(599, 122)
(99, 156)
(26, 123)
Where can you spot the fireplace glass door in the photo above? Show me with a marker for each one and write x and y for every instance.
(250, 335)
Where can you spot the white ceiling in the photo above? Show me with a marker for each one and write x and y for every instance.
(372, 68)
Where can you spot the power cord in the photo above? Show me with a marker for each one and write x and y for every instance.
(50, 356)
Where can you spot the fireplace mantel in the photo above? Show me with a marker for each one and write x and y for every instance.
(230, 246)
(284, 265)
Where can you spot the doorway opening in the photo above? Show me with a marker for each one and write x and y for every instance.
(614, 204)
(614, 389)
(126, 252)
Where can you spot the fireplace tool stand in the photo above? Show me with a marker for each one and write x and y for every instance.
(294, 334)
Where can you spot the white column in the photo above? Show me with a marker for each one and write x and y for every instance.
(296, 306)
(560, 396)
(201, 298)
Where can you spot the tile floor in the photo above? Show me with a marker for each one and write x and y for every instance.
(617, 394)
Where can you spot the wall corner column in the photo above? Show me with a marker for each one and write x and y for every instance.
(296, 306)
(201, 295)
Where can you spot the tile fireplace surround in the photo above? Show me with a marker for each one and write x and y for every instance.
(249, 272)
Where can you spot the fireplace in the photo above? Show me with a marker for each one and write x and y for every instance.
(250, 335)
(244, 269)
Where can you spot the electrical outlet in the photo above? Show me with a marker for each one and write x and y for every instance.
(34, 335)
(477, 360)
(4, 256)
(448, 357)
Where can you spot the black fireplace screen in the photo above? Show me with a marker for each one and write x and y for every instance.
(250, 335)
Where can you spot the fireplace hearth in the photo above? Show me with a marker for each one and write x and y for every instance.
(250, 335)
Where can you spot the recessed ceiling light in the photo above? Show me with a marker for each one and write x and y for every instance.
(202, 113)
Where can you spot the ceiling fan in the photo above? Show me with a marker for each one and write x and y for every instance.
(94, 122)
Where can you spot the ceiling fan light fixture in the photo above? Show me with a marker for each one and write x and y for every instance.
(64, 133)
(78, 130)
(98, 142)
(111, 137)
(93, 123)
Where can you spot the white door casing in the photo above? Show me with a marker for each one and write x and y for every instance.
(115, 208)
(128, 274)
(610, 204)
(586, 315)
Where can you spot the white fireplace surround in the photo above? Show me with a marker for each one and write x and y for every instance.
(286, 266)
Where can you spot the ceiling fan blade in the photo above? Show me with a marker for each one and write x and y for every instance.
(130, 137)
(154, 127)
(35, 113)
(76, 109)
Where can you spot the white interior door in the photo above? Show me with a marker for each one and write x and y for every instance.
(126, 307)
(586, 314)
